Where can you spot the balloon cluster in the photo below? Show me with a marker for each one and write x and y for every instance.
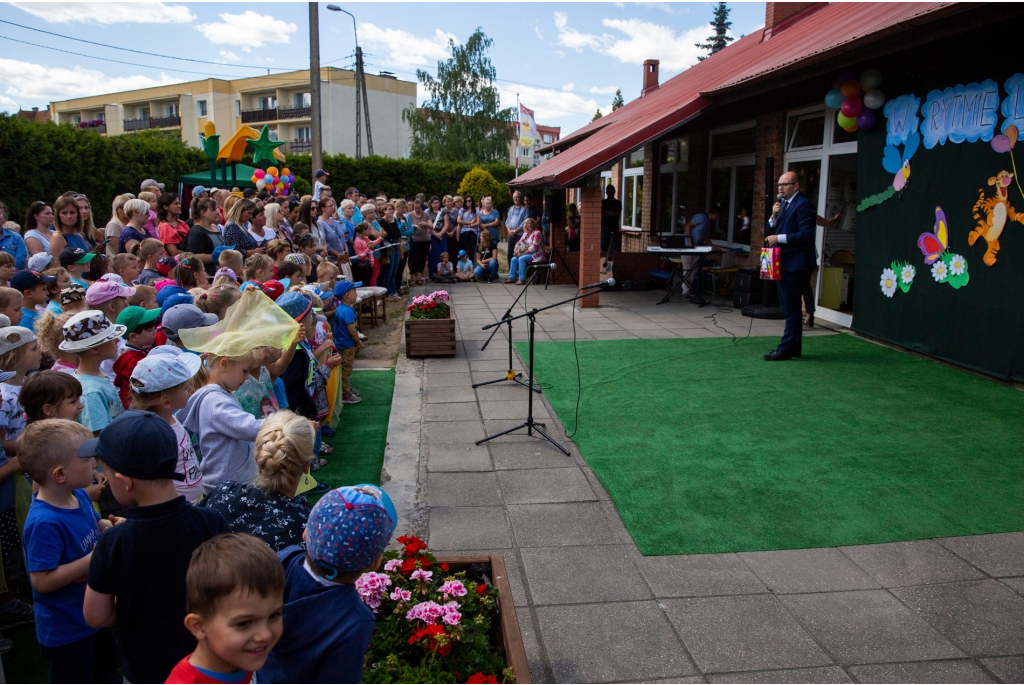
(1005, 141)
(274, 181)
(856, 110)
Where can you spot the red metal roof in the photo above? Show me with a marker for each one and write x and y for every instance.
(684, 96)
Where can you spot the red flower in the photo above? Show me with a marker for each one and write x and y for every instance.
(413, 545)
(481, 589)
(408, 566)
(424, 562)
(429, 635)
(479, 677)
(444, 567)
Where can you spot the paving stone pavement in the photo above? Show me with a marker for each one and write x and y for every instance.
(593, 609)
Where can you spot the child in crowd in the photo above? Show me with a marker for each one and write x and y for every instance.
(464, 267)
(94, 339)
(328, 627)
(230, 576)
(10, 304)
(72, 299)
(77, 263)
(291, 272)
(162, 384)
(140, 333)
(63, 279)
(126, 266)
(50, 330)
(137, 573)
(61, 529)
(33, 287)
(190, 272)
(225, 276)
(7, 268)
(51, 395)
(40, 262)
(110, 298)
(151, 251)
(363, 245)
(145, 297)
(346, 337)
(20, 353)
(305, 379)
(218, 298)
(226, 431)
(231, 259)
(98, 268)
(445, 270)
(181, 317)
(259, 268)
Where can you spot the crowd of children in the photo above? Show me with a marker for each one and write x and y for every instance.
(167, 537)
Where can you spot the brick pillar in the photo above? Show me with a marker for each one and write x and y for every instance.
(770, 132)
(649, 202)
(590, 241)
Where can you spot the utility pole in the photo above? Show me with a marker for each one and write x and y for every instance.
(362, 102)
(361, 75)
(359, 117)
(314, 89)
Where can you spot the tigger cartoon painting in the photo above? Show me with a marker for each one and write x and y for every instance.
(992, 213)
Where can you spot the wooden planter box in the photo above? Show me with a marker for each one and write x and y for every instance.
(509, 637)
(430, 337)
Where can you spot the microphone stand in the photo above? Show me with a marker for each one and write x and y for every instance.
(529, 424)
(506, 318)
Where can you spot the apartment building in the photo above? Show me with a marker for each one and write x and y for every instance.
(522, 156)
(281, 101)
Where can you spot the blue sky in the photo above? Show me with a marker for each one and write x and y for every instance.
(564, 59)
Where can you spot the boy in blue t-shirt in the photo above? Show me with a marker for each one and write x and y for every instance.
(346, 337)
(327, 627)
(60, 532)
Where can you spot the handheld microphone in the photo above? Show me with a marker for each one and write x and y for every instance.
(535, 267)
(600, 284)
(780, 196)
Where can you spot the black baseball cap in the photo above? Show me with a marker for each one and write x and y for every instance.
(25, 279)
(137, 444)
(75, 255)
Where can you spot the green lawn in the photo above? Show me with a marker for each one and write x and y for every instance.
(704, 447)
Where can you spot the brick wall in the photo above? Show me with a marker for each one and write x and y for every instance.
(771, 131)
(628, 266)
(777, 12)
(589, 256)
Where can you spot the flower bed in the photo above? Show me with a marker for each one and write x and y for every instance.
(429, 329)
(441, 620)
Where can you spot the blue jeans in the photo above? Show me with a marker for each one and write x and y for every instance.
(520, 264)
(492, 269)
(316, 444)
(391, 272)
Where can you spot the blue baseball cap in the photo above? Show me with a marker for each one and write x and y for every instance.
(295, 304)
(342, 287)
(176, 299)
(462, 253)
(167, 291)
(349, 528)
(25, 279)
(137, 444)
(215, 255)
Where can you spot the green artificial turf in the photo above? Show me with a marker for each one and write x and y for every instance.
(704, 447)
(362, 432)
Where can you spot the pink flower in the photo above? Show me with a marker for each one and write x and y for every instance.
(371, 588)
(452, 618)
(420, 574)
(400, 595)
(453, 588)
(428, 612)
(393, 565)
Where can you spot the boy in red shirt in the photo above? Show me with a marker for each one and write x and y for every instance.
(140, 334)
(232, 577)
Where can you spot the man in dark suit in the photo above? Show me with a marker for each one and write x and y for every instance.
(791, 228)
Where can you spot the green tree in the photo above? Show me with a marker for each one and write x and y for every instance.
(480, 183)
(463, 120)
(720, 38)
(617, 101)
(597, 115)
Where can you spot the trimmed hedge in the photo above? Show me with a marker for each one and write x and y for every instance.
(47, 160)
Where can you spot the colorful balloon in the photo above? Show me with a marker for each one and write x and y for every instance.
(866, 118)
(259, 173)
(844, 121)
(272, 170)
(850, 88)
(834, 99)
(851, 106)
(851, 129)
(870, 79)
(1011, 134)
(873, 99)
(261, 184)
(1000, 143)
(285, 172)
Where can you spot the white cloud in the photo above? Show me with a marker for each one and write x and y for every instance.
(229, 56)
(28, 81)
(8, 105)
(602, 90)
(548, 104)
(569, 87)
(636, 41)
(248, 29)
(404, 47)
(107, 12)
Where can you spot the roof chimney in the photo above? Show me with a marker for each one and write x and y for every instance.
(35, 109)
(650, 76)
(777, 13)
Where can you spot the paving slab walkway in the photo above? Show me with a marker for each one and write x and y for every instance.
(593, 609)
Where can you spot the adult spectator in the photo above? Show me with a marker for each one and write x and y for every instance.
(309, 214)
(134, 232)
(205, 236)
(12, 243)
(172, 231)
(347, 210)
(405, 230)
(699, 229)
(514, 220)
(791, 229)
(258, 229)
(235, 231)
(38, 227)
(330, 228)
(490, 219)
(452, 226)
(611, 216)
(319, 179)
(572, 228)
(270, 509)
(419, 247)
(389, 271)
(353, 195)
(469, 227)
(68, 226)
(91, 234)
(112, 232)
(529, 250)
(486, 259)
(438, 232)
(220, 195)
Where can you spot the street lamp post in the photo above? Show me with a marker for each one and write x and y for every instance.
(362, 101)
(314, 89)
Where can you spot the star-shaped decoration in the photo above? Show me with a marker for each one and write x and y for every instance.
(263, 147)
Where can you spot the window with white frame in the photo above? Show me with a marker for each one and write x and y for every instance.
(673, 184)
(526, 152)
(301, 100)
(171, 110)
(632, 191)
(201, 108)
(269, 102)
(238, 108)
(272, 133)
(731, 183)
(302, 133)
(547, 138)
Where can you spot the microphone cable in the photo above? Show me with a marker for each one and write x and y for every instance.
(579, 377)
